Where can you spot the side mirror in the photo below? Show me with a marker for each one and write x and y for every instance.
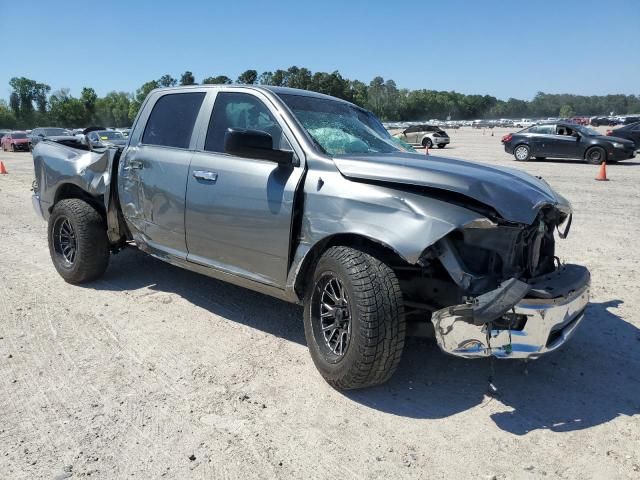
(254, 144)
(576, 135)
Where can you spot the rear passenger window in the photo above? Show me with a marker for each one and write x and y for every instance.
(245, 112)
(172, 119)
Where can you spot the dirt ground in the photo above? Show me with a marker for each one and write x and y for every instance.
(155, 372)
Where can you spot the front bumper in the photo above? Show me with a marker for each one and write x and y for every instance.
(23, 147)
(544, 324)
(622, 154)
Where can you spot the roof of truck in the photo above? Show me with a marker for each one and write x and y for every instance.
(271, 88)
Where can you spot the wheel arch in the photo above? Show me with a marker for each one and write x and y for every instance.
(71, 190)
(376, 248)
(591, 147)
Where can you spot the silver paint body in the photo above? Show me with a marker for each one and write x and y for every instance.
(232, 218)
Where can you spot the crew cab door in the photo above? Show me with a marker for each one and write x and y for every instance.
(154, 169)
(239, 211)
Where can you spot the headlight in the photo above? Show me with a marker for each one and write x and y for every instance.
(617, 145)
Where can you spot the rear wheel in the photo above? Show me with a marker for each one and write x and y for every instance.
(427, 143)
(595, 155)
(522, 153)
(78, 242)
(354, 319)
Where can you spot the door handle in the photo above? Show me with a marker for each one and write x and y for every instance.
(204, 175)
(134, 165)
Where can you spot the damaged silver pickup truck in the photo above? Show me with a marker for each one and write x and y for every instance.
(307, 198)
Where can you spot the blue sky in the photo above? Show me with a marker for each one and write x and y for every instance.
(505, 49)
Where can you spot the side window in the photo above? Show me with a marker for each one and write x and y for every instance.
(241, 111)
(172, 120)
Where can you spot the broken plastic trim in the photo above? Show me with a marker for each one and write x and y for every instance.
(489, 306)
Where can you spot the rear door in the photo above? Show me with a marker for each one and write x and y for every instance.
(542, 140)
(240, 210)
(154, 169)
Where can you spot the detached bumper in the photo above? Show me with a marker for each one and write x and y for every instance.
(527, 329)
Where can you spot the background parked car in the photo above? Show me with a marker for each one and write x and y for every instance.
(3, 132)
(15, 141)
(425, 135)
(599, 121)
(630, 132)
(566, 140)
(106, 138)
(52, 133)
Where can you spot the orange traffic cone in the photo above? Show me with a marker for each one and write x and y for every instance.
(3, 170)
(602, 173)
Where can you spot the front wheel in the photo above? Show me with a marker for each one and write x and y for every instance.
(595, 155)
(522, 153)
(78, 242)
(354, 319)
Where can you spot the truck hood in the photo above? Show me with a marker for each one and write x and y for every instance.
(515, 195)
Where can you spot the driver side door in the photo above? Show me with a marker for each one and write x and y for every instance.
(239, 211)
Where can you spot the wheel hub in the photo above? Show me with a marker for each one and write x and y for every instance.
(334, 315)
(65, 240)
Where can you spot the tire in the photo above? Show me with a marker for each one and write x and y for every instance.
(372, 322)
(521, 153)
(442, 145)
(78, 242)
(427, 143)
(595, 155)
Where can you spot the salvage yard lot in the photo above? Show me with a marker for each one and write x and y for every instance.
(154, 371)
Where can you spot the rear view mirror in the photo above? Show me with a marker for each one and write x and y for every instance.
(254, 144)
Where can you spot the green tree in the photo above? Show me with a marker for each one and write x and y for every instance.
(89, 98)
(168, 81)
(566, 111)
(113, 110)
(139, 97)
(7, 118)
(187, 78)
(219, 80)
(66, 110)
(248, 77)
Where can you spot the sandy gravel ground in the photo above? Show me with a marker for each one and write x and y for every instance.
(155, 372)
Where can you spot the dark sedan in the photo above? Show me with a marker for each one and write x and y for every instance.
(50, 133)
(630, 132)
(566, 140)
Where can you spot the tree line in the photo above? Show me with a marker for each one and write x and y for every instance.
(32, 103)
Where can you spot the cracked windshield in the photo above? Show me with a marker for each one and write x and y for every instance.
(341, 129)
